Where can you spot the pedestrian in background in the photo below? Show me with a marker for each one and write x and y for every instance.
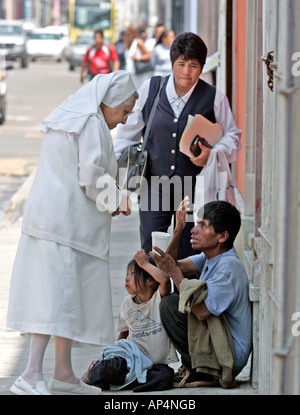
(161, 54)
(135, 50)
(60, 282)
(99, 58)
(151, 42)
(120, 49)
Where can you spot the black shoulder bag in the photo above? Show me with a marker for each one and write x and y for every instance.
(132, 163)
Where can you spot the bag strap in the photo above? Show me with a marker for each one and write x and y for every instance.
(145, 138)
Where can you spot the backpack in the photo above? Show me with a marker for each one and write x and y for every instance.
(106, 49)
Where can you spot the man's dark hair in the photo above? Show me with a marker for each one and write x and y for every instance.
(100, 32)
(189, 46)
(223, 216)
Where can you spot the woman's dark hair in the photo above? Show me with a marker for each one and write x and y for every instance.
(160, 39)
(140, 275)
(189, 46)
(163, 36)
(223, 216)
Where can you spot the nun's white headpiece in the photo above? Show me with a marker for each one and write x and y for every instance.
(112, 89)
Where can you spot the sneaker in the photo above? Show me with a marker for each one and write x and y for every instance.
(56, 387)
(192, 379)
(21, 387)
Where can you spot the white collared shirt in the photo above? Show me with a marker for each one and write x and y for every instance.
(131, 132)
(177, 103)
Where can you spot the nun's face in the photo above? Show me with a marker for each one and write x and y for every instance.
(117, 115)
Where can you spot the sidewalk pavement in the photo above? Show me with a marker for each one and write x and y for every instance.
(14, 348)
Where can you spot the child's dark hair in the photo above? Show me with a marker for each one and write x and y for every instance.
(140, 275)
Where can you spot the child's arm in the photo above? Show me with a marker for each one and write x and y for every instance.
(123, 335)
(160, 276)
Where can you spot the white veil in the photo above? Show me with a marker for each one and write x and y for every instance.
(72, 114)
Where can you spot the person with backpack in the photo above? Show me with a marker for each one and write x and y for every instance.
(99, 58)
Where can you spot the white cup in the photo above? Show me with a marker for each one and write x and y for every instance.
(161, 240)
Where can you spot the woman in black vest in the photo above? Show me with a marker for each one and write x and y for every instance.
(171, 175)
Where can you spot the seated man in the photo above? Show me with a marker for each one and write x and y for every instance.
(223, 285)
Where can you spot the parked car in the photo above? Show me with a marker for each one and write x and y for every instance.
(13, 41)
(3, 87)
(63, 31)
(45, 44)
(77, 50)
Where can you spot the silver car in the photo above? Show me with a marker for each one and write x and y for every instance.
(13, 41)
(3, 87)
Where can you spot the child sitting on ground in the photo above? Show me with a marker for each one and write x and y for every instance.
(143, 349)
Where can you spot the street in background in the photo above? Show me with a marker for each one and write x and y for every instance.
(32, 94)
(13, 41)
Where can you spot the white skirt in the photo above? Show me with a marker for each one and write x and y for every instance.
(56, 290)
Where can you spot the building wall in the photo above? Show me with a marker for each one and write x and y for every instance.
(284, 345)
(267, 177)
(240, 54)
(208, 11)
(268, 183)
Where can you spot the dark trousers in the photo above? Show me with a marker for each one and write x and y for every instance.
(160, 221)
(176, 326)
(158, 205)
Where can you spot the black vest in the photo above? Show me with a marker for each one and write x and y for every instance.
(166, 130)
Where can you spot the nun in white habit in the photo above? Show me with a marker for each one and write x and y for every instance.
(60, 282)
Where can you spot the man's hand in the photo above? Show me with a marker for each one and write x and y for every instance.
(200, 311)
(181, 214)
(164, 261)
(167, 264)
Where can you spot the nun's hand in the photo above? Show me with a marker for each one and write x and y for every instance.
(125, 205)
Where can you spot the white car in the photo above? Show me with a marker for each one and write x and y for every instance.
(45, 44)
(63, 31)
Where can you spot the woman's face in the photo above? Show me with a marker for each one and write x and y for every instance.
(128, 38)
(186, 73)
(169, 39)
(117, 115)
